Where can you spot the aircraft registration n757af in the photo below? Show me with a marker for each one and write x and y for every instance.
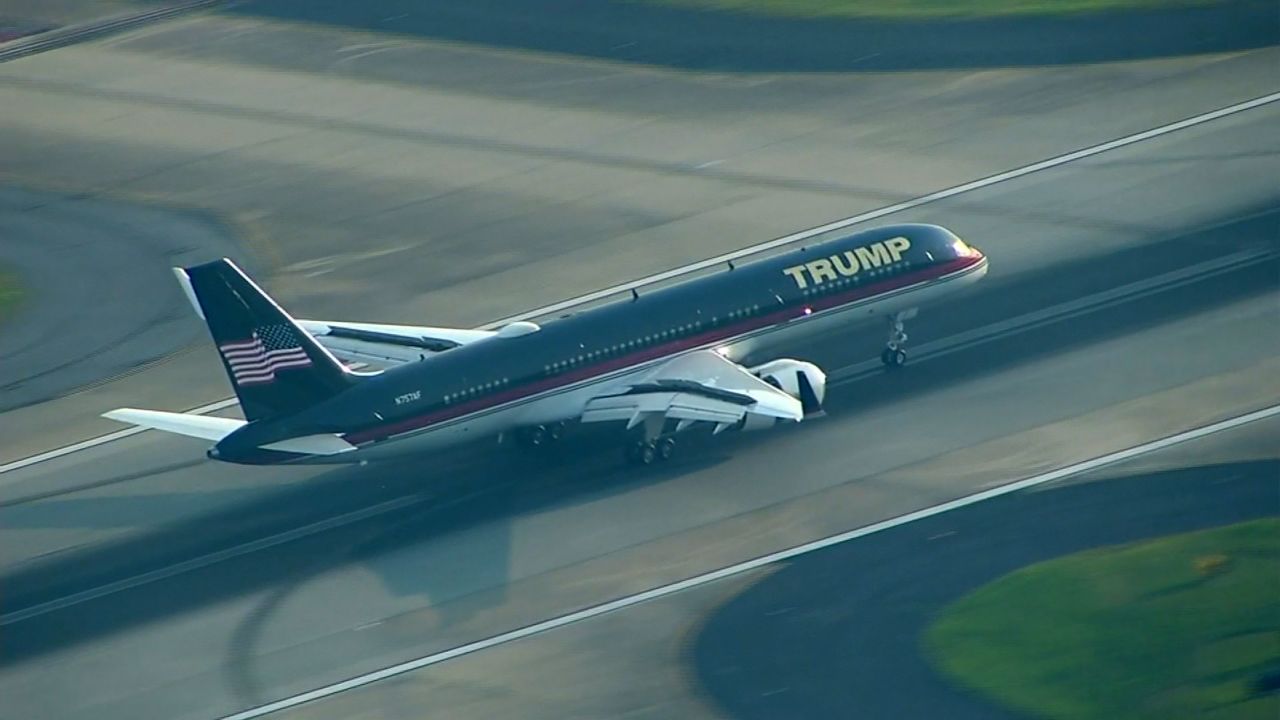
(660, 362)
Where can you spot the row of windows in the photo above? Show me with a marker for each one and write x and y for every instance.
(476, 391)
(628, 346)
(621, 348)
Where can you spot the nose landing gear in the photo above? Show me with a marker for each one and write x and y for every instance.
(894, 355)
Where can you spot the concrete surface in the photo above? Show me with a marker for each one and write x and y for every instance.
(493, 541)
(370, 186)
(691, 38)
(56, 13)
(101, 300)
(1056, 241)
(642, 662)
(597, 187)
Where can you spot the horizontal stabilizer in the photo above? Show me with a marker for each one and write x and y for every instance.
(198, 426)
(388, 344)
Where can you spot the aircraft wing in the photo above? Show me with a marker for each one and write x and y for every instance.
(698, 387)
(387, 344)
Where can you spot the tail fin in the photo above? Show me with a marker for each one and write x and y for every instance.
(275, 367)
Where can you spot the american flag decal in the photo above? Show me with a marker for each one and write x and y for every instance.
(268, 349)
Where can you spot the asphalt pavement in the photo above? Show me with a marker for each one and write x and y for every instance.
(292, 577)
(100, 297)
(260, 582)
(471, 496)
(33, 581)
(838, 633)
(659, 34)
(420, 182)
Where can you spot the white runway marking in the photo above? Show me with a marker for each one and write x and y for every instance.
(214, 557)
(1054, 313)
(749, 565)
(103, 439)
(771, 244)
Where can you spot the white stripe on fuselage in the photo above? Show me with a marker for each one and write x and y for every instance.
(564, 403)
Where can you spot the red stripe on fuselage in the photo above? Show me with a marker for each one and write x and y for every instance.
(710, 337)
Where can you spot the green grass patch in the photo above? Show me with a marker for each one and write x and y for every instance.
(10, 295)
(1173, 628)
(928, 9)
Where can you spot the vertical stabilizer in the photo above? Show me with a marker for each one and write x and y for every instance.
(275, 367)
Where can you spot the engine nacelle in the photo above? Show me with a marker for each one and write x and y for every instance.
(801, 380)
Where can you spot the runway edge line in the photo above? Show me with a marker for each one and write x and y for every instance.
(753, 564)
(922, 200)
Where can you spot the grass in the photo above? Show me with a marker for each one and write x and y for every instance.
(928, 9)
(1174, 628)
(10, 295)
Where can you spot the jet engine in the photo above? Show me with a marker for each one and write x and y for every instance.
(801, 380)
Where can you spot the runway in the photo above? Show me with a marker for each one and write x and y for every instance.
(952, 341)
(680, 645)
(316, 576)
(497, 541)
(307, 137)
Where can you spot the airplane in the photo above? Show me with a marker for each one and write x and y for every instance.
(660, 361)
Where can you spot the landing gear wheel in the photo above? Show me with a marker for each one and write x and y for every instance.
(893, 358)
(894, 354)
(555, 431)
(641, 453)
(665, 447)
(537, 437)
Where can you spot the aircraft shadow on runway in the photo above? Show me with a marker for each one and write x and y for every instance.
(455, 494)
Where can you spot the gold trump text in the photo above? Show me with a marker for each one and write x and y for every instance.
(848, 263)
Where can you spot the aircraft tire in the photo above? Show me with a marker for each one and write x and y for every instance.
(555, 431)
(641, 453)
(893, 358)
(647, 453)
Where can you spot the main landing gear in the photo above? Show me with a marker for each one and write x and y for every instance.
(894, 355)
(540, 436)
(653, 446)
(647, 452)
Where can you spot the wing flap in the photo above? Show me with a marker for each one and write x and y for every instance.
(676, 406)
(698, 387)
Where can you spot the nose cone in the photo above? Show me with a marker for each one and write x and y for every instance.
(964, 249)
(976, 264)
